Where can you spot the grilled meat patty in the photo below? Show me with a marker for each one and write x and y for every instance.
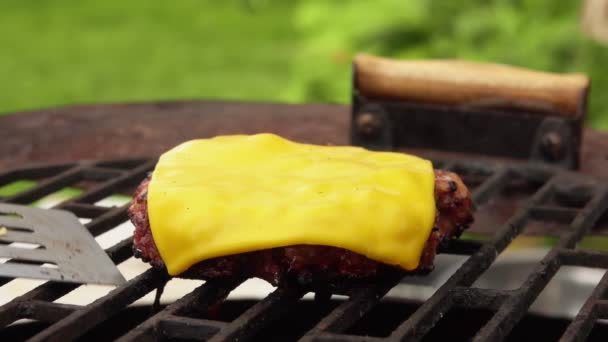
(312, 265)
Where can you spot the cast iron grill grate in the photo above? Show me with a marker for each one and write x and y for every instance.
(558, 196)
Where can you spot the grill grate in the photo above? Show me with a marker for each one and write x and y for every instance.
(585, 202)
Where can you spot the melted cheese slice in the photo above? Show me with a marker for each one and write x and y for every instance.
(234, 194)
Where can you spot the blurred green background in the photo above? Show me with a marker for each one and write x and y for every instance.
(69, 52)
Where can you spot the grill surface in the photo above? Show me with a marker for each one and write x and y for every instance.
(544, 195)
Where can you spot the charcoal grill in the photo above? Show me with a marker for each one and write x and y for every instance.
(513, 199)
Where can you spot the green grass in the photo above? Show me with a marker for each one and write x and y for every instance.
(56, 197)
(67, 52)
(22, 185)
(64, 52)
(594, 242)
(16, 187)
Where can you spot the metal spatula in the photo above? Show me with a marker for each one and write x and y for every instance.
(66, 250)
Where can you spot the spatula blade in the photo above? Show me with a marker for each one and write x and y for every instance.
(52, 244)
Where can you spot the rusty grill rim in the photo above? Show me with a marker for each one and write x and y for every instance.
(508, 306)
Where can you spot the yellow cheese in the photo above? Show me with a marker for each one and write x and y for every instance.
(234, 194)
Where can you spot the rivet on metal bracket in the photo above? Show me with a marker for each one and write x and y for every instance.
(556, 143)
(552, 146)
(369, 124)
(372, 128)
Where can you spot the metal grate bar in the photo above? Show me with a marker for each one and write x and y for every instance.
(584, 258)
(85, 210)
(109, 187)
(80, 321)
(47, 186)
(462, 247)
(45, 311)
(443, 165)
(121, 251)
(553, 213)
(586, 218)
(348, 313)
(110, 219)
(425, 317)
(429, 313)
(259, 315)
(516, 224)
(98, 173)
(330, 337)
(189, 328)
(9, 313)
(48, 291)
(491, 186)
(582, 324)
(535, 173)
(477, 298)
(473, 167)
(202, 297)
(121, 164)
(601, 306)
(34, 172)
(515, 307)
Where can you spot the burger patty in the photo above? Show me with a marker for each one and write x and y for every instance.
(313, 265)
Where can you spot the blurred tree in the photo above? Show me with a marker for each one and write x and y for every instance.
(74, 51)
